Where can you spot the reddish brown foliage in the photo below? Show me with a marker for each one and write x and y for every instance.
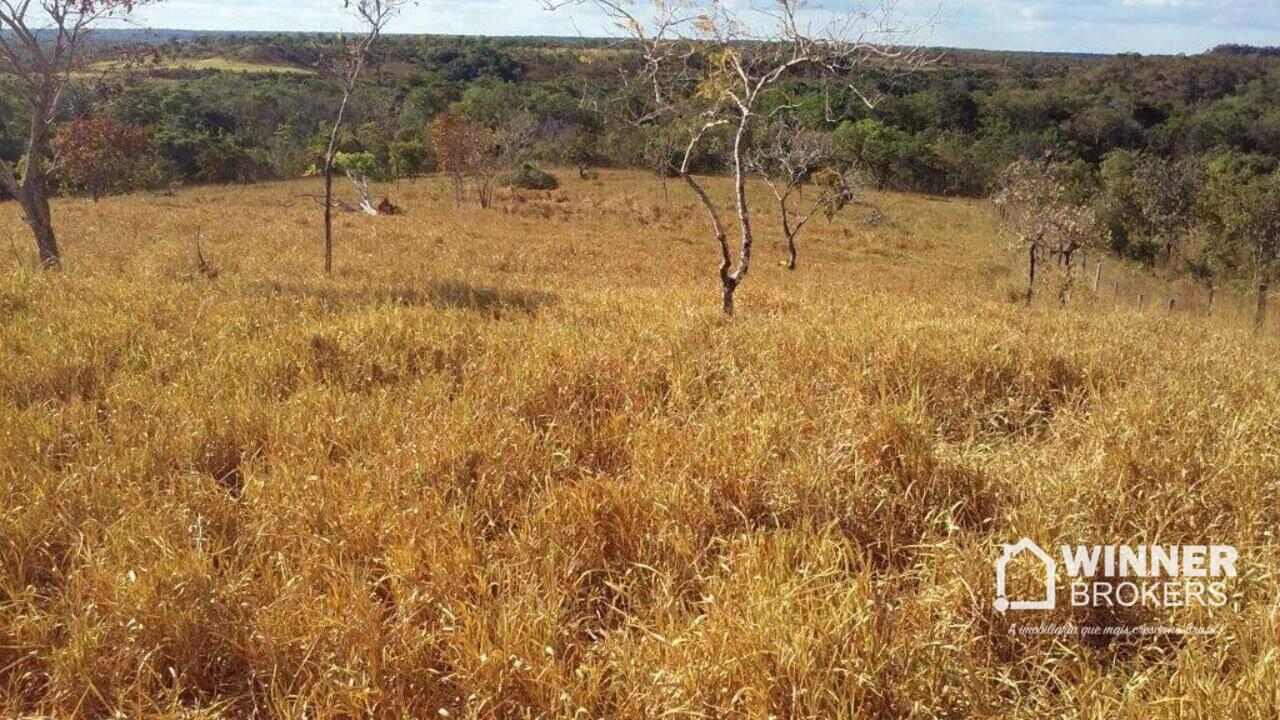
(97, 155)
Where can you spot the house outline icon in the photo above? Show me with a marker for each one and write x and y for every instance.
(1003, 602)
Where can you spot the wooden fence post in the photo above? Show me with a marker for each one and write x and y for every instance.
(1097, 277)
(1169, 306)
(1260, 312)
(1213, 292)
(1031, 273)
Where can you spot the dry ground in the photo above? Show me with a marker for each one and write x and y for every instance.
(513, 464)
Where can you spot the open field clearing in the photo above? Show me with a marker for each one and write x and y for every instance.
(514, 463)
(212, 63)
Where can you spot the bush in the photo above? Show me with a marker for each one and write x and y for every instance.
(98, 156)
(529, 177)
(223, 160)
(360, 164)
(411, 158)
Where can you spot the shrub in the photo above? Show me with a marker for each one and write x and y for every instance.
(529, 177)
(99, 156)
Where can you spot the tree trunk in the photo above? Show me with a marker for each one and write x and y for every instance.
(328, 218)
(729, 287)
(34, 199)
(744, 213)
(790, 234)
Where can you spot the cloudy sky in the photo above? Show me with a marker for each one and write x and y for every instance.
(1148, 26)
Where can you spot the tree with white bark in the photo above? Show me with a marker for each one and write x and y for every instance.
(42, 42)
(706, 65)
(374, 16)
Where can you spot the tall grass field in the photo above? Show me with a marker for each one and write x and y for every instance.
(514, 463)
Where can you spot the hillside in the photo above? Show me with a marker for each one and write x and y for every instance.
(514, 463)
(1160, 150)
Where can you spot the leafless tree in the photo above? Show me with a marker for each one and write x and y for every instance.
(1035, 207)
(41, 43)
(708, 64)
(502, 149)
(374, 15)
(662, 151)
(788, 159)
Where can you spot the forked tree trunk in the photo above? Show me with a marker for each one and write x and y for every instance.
(744, 216)
(728, 283)
(729, 287)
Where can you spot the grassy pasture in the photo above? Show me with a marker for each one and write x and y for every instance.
(513, 464)
(219, 64)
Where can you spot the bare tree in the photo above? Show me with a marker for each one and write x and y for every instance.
(662, 151)
(1034, 206)
(358, 167)
(790, 158)
(41, 42)
(705, 65)
(374, 15)
(453, 139)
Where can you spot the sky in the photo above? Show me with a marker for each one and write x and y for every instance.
(1105, 26)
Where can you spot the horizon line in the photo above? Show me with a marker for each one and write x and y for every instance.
(580, 38)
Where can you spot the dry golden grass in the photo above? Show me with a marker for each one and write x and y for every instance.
(513, 464)
(211, 63)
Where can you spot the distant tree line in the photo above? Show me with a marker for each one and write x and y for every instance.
(1146, 143)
